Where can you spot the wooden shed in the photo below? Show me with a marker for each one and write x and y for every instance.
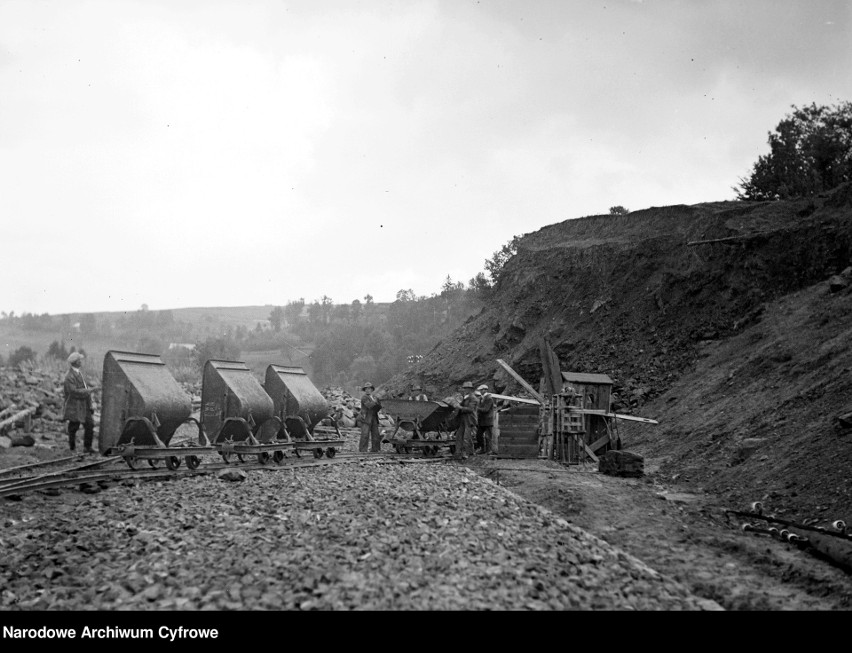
(596, 391)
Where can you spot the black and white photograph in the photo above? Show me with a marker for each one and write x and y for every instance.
(421, 306)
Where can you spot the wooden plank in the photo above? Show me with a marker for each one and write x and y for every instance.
(521, 419)
(520, 436)
(550, 366)
(519, 439)
(520, 380)
(590, 453)
(17, 417)
(518, 399)
(603, 413)
(521, 443)
(515, 453)
(8, 411)
(597, 444)
(633, 418)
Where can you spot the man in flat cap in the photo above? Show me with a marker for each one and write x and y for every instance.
(417, 394)
(370, 407)
(78, 404)
(485, 410)
(467, 422)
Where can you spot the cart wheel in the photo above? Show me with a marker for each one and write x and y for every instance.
(153, 462)
(131, 461)
(330, 452)
(172, 462)
(240, 458)
(225, 456)
(192, 462)
(263, 457)
(317, 453)
(278, 457)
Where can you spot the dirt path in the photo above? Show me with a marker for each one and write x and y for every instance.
(679, 534)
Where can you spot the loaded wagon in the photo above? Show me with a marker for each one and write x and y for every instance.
(421, 418)
(299, 406)
(142, 408)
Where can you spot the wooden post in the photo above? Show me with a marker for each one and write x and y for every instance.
(550, 368)
(495, 432)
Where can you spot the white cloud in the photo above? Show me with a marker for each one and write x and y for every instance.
(229, 153)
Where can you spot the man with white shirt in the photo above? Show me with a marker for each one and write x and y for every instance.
(78, 404)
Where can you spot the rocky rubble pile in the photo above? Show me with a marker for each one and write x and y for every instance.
(41, 390)
(368, 536)
(345, 409)
(193, 389)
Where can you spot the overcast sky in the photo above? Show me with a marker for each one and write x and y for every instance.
(181, 153)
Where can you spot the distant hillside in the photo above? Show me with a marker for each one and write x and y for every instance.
(715, 318)
(235, 316)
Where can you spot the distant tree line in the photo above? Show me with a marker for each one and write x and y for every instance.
(358, 341)
(337, 343)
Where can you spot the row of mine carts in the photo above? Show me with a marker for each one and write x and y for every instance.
(143, 406)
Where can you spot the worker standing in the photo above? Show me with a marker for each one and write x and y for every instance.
(485, 411)
(467, 423)
(417, 394)
(78, 404)
(370, 407)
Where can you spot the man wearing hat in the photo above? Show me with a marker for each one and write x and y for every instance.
(417, 394)
(370, 407)
(467, 423)
(78, 404)
(485, 410)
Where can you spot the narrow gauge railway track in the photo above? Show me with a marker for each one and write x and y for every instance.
(12, 480)
(42, 464)
(81, 476)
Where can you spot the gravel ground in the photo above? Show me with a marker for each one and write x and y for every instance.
(357, 536)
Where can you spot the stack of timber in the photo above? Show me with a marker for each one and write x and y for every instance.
(519, 432)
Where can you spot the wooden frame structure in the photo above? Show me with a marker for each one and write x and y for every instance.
(575, 418)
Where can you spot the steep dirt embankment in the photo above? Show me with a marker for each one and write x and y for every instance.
(756, 419)
(627, 295)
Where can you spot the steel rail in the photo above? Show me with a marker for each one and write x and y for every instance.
(9, 482)
(41, 463)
